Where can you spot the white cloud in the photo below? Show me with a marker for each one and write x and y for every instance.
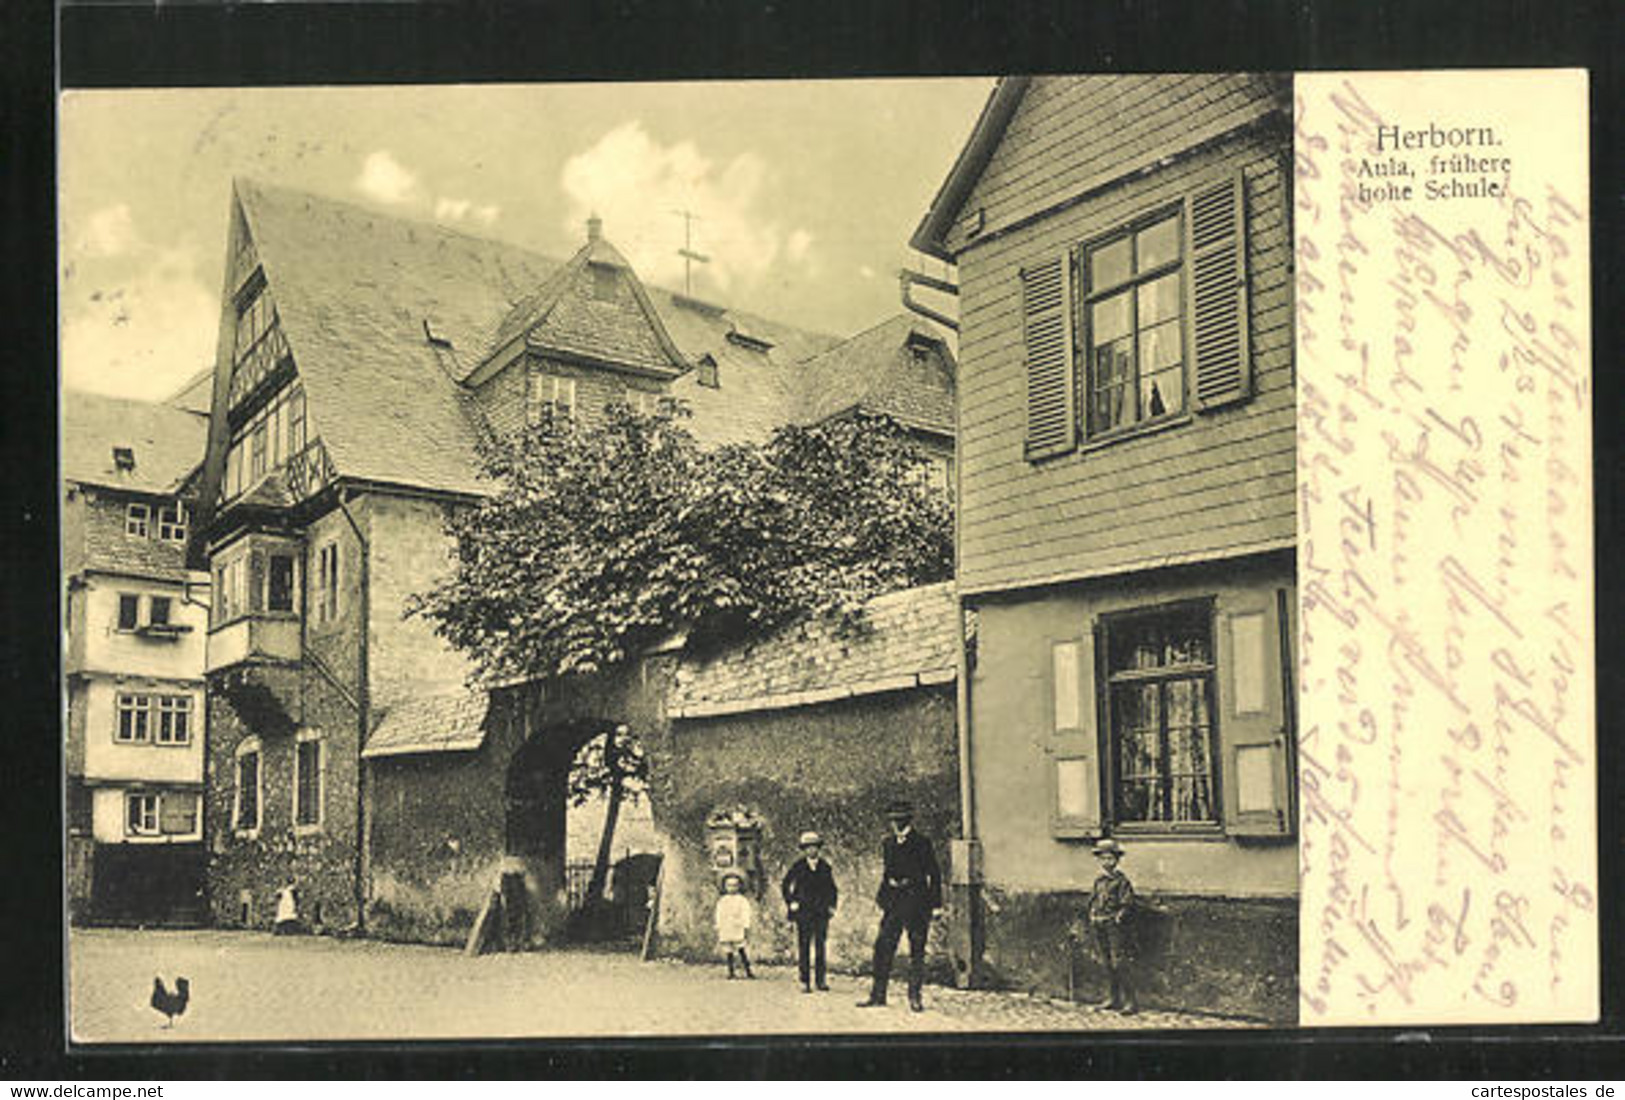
(108, 232)
(637, 185)
(144, 335)
(798, 244)
(451, 210)
(384, 178)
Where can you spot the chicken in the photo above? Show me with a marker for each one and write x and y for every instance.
(171, 1004)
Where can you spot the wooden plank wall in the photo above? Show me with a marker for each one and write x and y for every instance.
(1220, 484)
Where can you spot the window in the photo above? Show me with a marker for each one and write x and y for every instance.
(279, 583)
(129, 611)
(174, 719)
(141, 814)
(1159, 675)
(172, 523)
(307, 786)
(1133, 318)
(158, 610)
(603, 282)
(245, 817)
(135, 520)
(1139, 324)
(553, 393)
(256, 451)
(707, 367)
(327, 582)
(266, 441)
(134, 718)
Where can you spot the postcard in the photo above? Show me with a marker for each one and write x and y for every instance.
(1071, 553)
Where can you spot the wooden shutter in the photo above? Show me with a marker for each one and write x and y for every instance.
(1074, 747)
(1046, 312)
(177, 813)
(1216, 239)
(1255, 648)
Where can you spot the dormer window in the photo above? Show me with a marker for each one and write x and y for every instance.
(550, 392)
(603, 282)
(124, 458)
(708, 376)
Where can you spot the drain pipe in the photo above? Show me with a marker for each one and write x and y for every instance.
(908, 280)
(363, 712)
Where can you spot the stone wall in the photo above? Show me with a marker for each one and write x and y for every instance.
(831, 768)
(1228, 956)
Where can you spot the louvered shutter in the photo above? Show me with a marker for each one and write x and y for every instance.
(1046, 309)
(1217, 245)
(1256, 712)
(1074, 752)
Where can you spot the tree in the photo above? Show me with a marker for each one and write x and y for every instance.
(598, 543)
(612, 764)
(601, 542)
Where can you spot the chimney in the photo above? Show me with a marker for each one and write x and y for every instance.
(595, 228)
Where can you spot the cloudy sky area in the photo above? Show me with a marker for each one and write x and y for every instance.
(804, 193)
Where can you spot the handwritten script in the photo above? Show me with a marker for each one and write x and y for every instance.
(1448, 840)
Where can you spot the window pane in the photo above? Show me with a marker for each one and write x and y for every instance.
(1136, 725)
(1110, 318)
(1110, 264)
(307, 784)
(128, 610)
(280, 594)
(1158, 244)
(1159, 299)
(1163, 393)
(159, 611)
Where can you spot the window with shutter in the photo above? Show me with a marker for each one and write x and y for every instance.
(1216, 221)
(1256, 712)
(177, 813)
(1158, 675)
(1133, 312)
(1046, 306)
(1074, 757)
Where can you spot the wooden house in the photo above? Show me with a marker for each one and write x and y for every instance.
(1126, 523)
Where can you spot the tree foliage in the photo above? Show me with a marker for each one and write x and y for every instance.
(599, 542)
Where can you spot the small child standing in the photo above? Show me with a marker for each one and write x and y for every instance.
(1110, 903)
(734, 916)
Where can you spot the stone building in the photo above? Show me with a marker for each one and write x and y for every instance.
(361, 358)
(1126, 523)
(134, 619)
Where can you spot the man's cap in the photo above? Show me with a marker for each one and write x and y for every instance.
(734, 875)
(899, 807)
(1108, 847)
(809, 839)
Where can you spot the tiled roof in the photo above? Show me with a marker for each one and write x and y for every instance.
(353, 290)
(906, 639)
(452, 721)
(167, 442)
(877, 372)
(196, 394)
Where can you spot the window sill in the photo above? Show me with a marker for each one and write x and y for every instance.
(307, 830)
(1138, 431)
(1164, 832)
(246, 834)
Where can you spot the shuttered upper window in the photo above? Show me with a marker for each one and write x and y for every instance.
(1139, 325)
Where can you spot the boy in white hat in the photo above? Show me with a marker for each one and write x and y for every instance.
(1110, 903)
(809, 899)
(734, 916)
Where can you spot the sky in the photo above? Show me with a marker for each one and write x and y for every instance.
(804, 193)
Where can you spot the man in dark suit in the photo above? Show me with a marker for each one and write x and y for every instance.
(809, 896)
(910, 893)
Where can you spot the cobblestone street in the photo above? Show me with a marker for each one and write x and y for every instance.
(253, 986)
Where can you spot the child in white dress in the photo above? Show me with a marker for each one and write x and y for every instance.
(733, 918)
